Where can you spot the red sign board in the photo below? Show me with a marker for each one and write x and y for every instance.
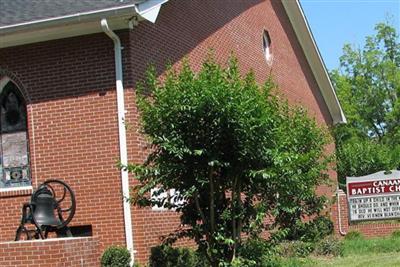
(375, 196)
(374, 187)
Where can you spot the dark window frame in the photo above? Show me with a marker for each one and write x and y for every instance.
(14, 137)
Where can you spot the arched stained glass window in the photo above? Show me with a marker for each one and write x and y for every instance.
(14, 156)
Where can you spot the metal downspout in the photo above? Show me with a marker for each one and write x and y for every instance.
(122, 136)
(341, 232)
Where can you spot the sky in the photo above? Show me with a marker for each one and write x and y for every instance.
(336, 22)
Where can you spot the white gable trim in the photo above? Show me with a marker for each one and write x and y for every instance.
(310, 49)
(149, 9)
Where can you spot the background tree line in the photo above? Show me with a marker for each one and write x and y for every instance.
(368, 87)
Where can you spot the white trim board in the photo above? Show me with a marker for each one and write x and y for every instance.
(311, 52)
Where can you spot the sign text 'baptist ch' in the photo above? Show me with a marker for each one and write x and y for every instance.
(374, 197)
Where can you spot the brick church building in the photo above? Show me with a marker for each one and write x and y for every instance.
(68, 71)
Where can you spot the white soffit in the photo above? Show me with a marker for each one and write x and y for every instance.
(310, 49)
(149, 10)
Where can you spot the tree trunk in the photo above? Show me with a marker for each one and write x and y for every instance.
(214, 262)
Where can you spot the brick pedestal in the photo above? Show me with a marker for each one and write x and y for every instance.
(74, 252)
(368, 229)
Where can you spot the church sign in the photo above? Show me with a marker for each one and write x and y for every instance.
(374, 197)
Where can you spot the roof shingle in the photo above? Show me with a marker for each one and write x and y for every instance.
(23, 11)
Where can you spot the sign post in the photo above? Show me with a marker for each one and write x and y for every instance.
(374, 197)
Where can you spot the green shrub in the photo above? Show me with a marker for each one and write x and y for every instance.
(320, 228)
(329, 246)
(241, 262)
(167, 256)
(115, 256)
(317, 229)
(254, 249)
(258, 252)
(216, 131)
(296, 249)
(353, 235)
(396, 234)
(267, 262)
(312, 231)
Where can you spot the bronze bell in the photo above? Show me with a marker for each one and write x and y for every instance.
(44, 205)
(45, 211)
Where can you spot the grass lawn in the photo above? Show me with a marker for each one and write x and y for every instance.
(371, 260)
(376, 252)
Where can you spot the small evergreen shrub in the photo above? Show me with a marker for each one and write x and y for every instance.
(329, 246)
(353, 235)
(115, 256)
(167, 256)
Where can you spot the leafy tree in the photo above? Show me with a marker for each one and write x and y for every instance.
(232, 151)
(368, 87)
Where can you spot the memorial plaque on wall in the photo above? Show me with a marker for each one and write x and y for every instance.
(374, 197)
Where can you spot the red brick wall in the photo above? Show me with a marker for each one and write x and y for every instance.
(69, 85)
(66, 252)
(190, 28)
(368, 229)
